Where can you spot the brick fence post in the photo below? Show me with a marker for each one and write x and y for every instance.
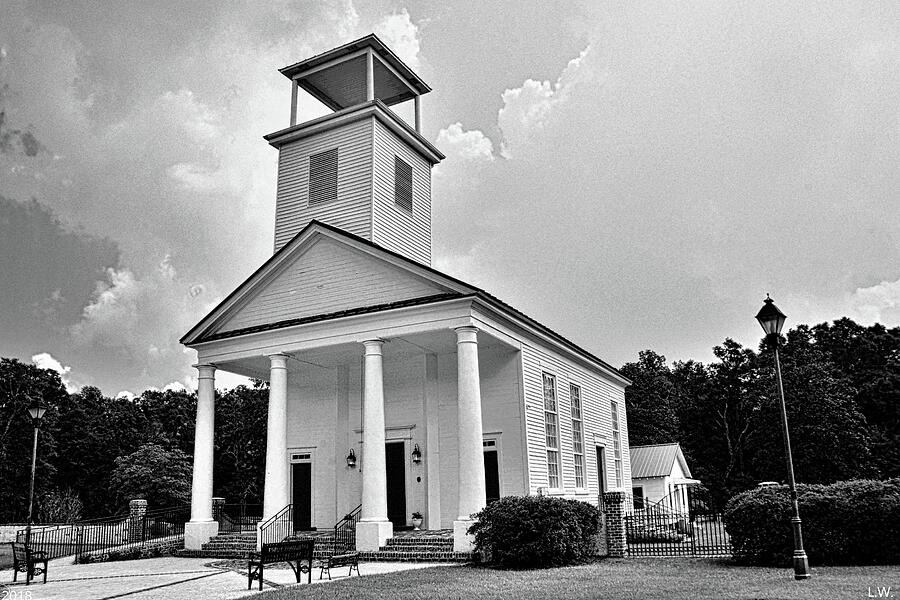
(616, 542)
(137, 511)
(218, 507)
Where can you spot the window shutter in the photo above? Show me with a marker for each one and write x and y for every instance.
(323, 176)
(402, 184)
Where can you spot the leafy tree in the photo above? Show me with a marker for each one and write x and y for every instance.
(21, 383)
(162, 477)
(59, 506)
(240, 438)
(98, 429)
(171, 417)
(650, 401)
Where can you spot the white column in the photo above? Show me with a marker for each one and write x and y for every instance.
(418, 112)
(201, 527)
(275, 490)
(432, 410)
(472, 492)
(294, 87)
(373, 528)
(370, 77)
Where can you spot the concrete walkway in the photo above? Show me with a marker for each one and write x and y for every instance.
(170, 578)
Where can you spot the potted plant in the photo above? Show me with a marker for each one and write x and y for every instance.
(417, 520)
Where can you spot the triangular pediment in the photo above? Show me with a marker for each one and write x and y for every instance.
(322, 271)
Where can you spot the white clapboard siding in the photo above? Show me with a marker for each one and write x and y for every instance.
(327, 278)
(352, 209)
(596, 394)
(395, 228)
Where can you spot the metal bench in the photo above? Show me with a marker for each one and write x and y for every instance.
(28, 561)
(298, 554)
(341, 557)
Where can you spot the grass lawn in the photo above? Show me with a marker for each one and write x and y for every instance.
(667, 579)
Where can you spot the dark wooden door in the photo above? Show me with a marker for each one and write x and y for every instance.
(491, 475)
(301, 476)
(601, 468)
(395, 464)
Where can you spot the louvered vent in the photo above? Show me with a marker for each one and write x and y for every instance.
(402, 184)
(323, 176)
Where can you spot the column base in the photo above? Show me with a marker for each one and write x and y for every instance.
(371, 535)
(462, 540)
(197, 533)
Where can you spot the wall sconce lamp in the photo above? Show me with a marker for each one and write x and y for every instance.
(351, 459)
(416, 455)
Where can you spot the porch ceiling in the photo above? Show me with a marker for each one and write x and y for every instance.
(397, 348)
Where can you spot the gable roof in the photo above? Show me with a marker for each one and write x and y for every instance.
(205, 330)
(656, 460)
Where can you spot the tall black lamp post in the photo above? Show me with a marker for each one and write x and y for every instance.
(772, 321)
(36, 410)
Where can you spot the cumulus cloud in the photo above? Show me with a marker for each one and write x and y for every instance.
(878, 304)
(402, 36)
(140, 319)
(45, 360)
(528, 108)
(466, 144)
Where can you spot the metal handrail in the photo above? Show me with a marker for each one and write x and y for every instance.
(345, 531)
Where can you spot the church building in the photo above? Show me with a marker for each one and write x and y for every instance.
(392, 385)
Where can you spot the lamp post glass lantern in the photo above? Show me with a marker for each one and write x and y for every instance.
(36, 410)
(772, 320)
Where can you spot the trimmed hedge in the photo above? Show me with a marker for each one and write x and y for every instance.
(536, 531)
(845, 523)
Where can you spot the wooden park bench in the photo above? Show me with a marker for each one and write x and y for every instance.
(28, 561)
(341, 557)
(298, 554)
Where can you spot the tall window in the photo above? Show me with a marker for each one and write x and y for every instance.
(577, 434)
(323, 176)
(617, 444)
(551, 424)
(403, 195)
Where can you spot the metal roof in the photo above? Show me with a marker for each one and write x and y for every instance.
(656, 460)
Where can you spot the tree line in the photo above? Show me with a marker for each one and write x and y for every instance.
(842, 385)
(96, 452)
(842, 390)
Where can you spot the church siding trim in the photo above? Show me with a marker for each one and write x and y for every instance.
(395, 228)
(349, 211)
(596, 394)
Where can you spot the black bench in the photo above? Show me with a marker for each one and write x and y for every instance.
(28, 561)
(298, 554)
(341, 557)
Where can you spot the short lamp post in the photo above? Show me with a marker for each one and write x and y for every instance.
(36, 410)
(772, 320)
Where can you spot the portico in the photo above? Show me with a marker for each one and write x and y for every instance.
(330, 389)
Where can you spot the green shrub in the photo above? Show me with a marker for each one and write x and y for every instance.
(536, 531)
(845, 523)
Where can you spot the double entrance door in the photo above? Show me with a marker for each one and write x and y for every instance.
(395, 466)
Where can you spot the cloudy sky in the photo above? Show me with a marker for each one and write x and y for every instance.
(634, 175)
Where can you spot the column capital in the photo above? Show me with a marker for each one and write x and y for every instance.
(373, 346)
(206, 370)
(277, 361)
(466, 334)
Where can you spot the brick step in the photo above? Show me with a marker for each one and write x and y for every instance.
(413, 541)
(418, 548)
(394, 556)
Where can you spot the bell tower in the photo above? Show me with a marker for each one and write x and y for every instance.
(361, 168)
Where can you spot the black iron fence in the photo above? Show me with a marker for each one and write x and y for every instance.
(235, 518)
(675, 526)
(81, 538)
